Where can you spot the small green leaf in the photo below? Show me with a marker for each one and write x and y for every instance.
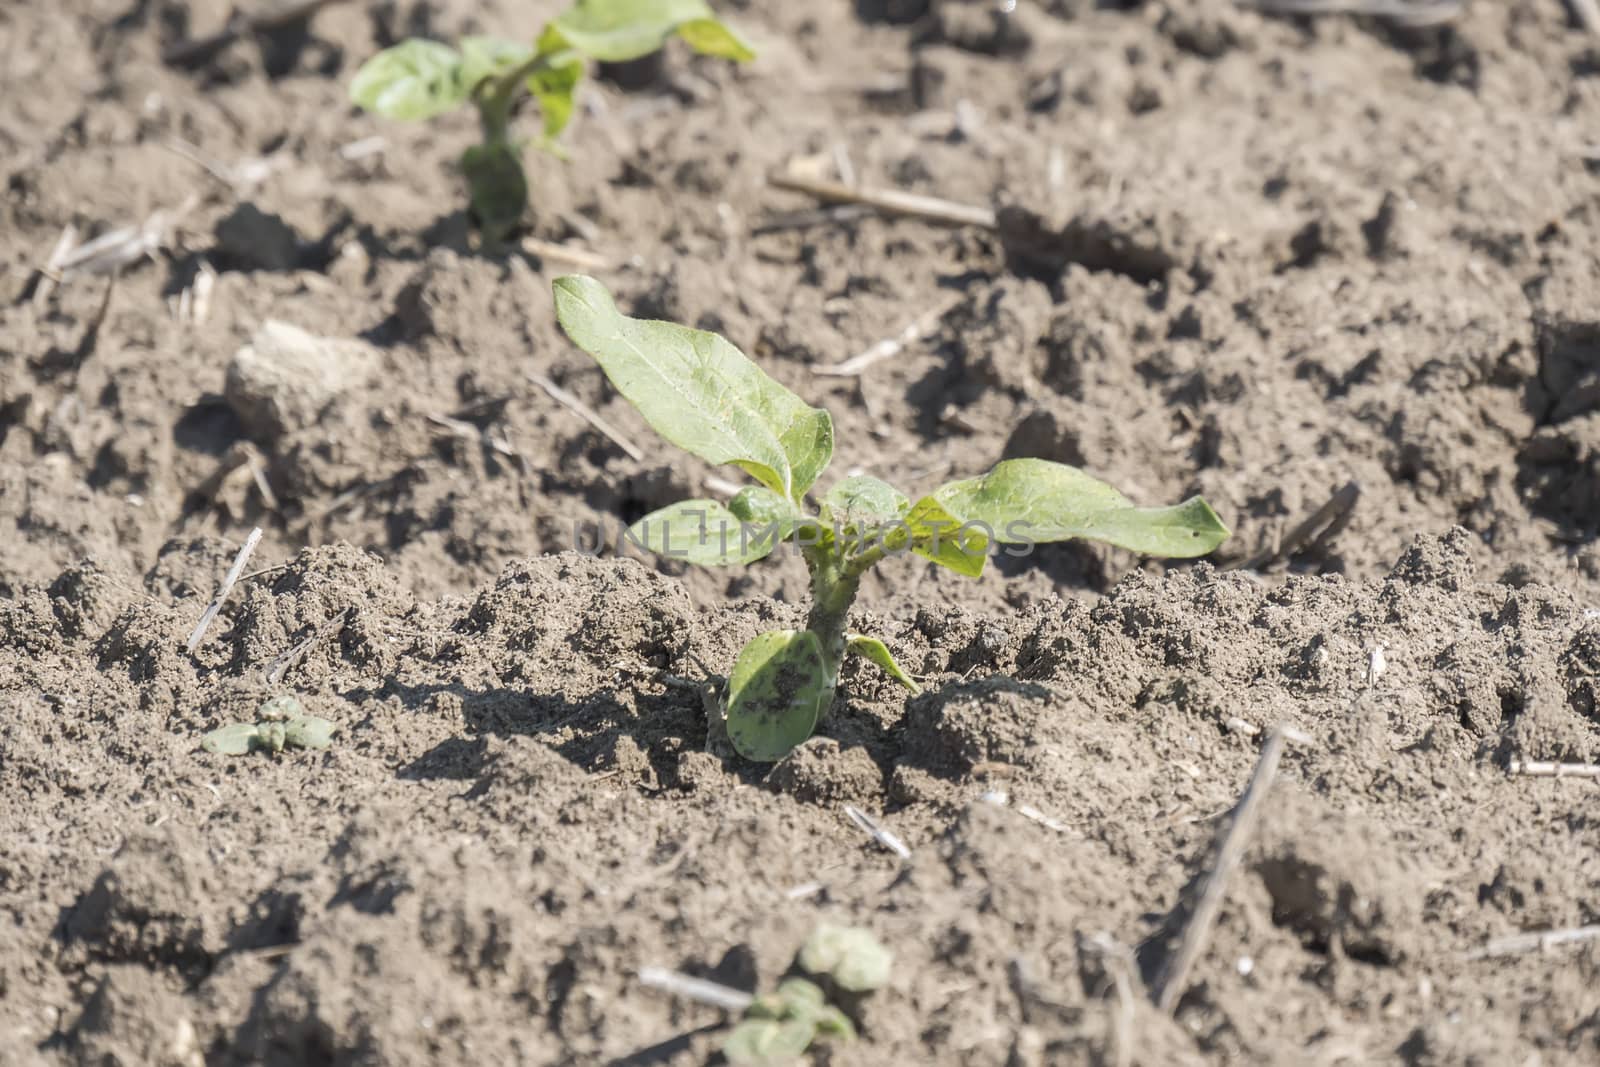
(938, 535)
(615, 31)
(878, 652)
(308, 731)
(271, 736)
(490, 57)
(776, 694)
(1034, 500)
(758, 504)
(415, 79)
(698, 391)
(279, 708)
(863, 501)
(836, 1023)
(232, 740)
(704, 532)
(499, 188)
(768, 1041)
(555, 83)
(801, 997)
(712, 38)
(855, 959)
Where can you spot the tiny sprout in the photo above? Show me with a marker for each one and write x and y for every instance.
(851, 956)
(280, 723)
(418, 79)
(705, 396)
(778, 1027)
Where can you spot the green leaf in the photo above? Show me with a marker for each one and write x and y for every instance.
(712, 38)
(308, 731)
(556, 89)
(854, 958)
(499, 188)
(776, 693)
(1034, 500)
(801, 997)
(834, 1022)
(768, 1041)
(415, 79)
(615, 31)
(938, 535)
(878, 652)
(706, 533)
(698, 391)
(864, 501)
(232, 740)
(758, 504)
(490, 57)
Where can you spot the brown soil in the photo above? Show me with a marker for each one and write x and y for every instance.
(1254, 257)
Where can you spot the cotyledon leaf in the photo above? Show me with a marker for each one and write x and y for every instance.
(1033, 500)
(308, 731)
(232, 740)
(698, 391)
(875, 650)
(776, 693)
(706, 533)
(615, 31)
(415, 79)
(850, 955)
(772, 1042)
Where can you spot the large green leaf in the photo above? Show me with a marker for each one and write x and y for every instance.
(415, 79)
(871, 648)
(1034, 500)
(698, 391)
(706, 533)
(615, 31)
(776, 693)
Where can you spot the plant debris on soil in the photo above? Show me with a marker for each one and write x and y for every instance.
(1336, 272)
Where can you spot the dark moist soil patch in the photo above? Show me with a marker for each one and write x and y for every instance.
(1263, 259)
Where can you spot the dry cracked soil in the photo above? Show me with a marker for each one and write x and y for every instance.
(1337, 271)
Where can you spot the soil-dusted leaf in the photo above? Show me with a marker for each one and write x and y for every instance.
(801, 997)
(878, 652)
(776, 693)
(854, 958)
(938, 535)
(615, 31)
(415, 79)
(830, 1020)
(308, 731)
(706, 533)
(863, 501)
(233, 740)
(768, 1041)
(499, 188)
(698, 391)
(272, 736)
(490, 57)
(1034, 500)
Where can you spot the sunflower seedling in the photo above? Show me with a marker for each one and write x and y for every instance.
(280, 723)
(418, 79)
(702, 394)
(778, 1027)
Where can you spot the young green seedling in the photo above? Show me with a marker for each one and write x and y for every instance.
(702, 394)
(780, 1026)
(280, 723)
(418, 79)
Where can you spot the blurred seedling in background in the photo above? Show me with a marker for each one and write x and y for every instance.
(280, 723)
(778, 1027)
(418, 79)
(702, 394)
